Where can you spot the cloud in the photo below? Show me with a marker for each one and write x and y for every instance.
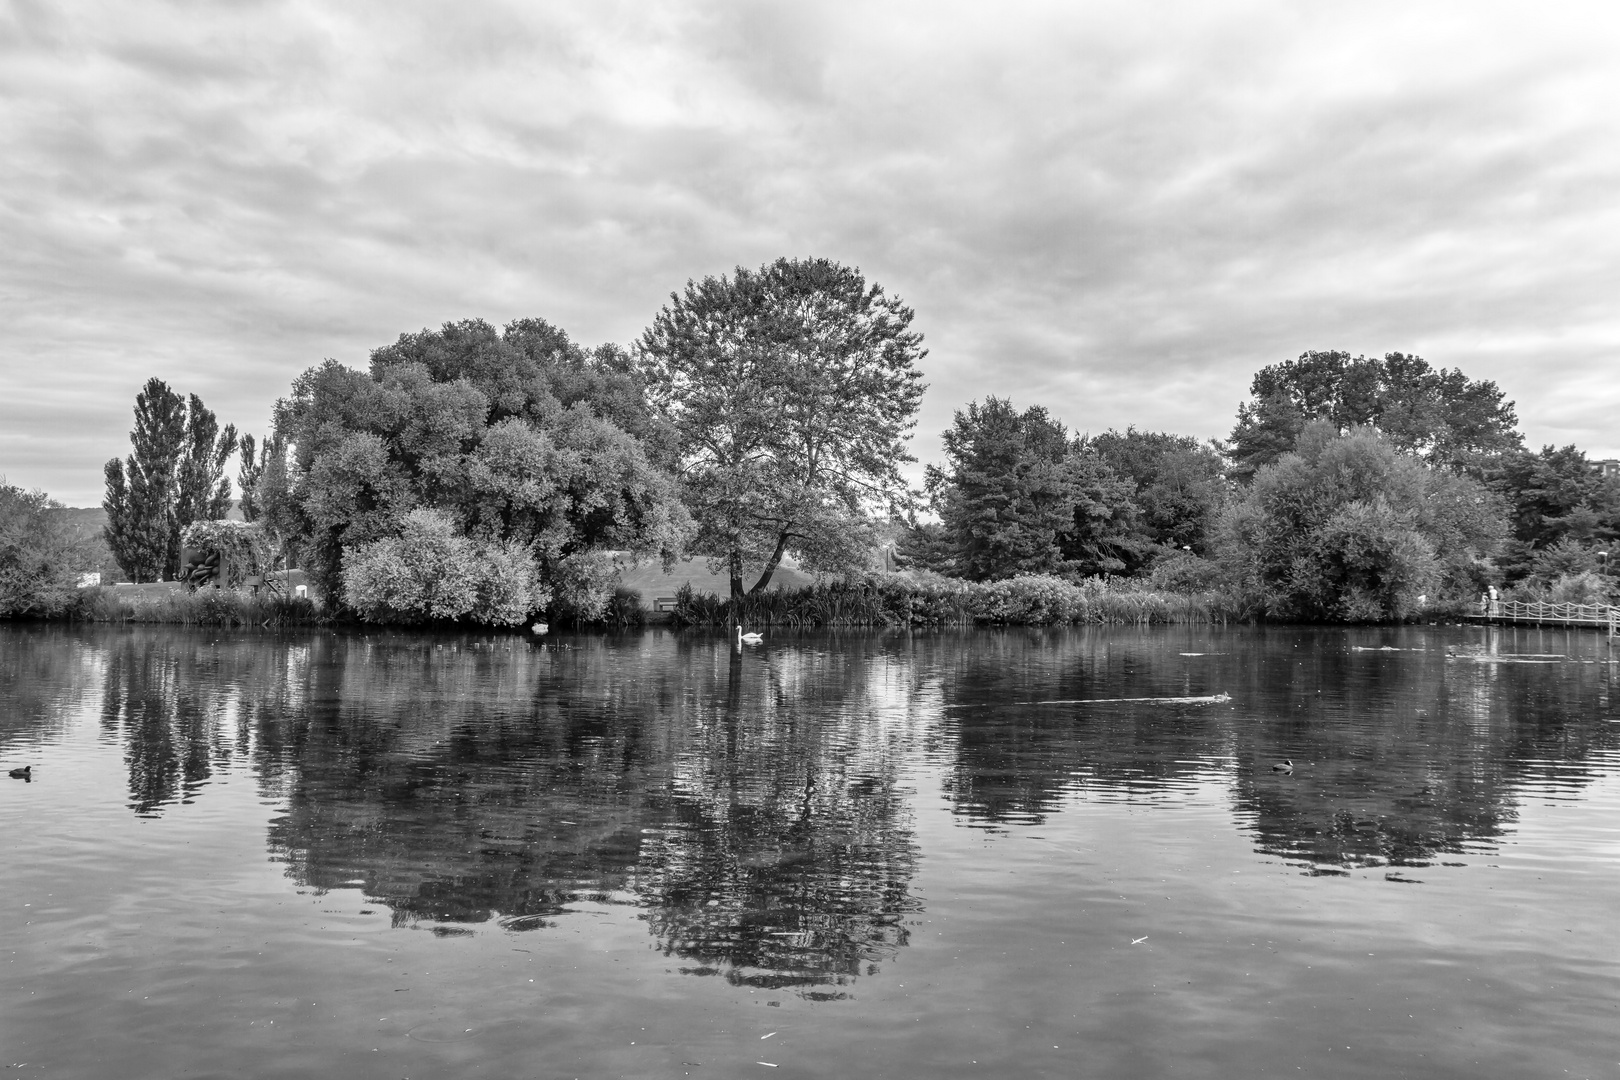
(1118, 210)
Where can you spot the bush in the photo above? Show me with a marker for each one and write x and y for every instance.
(1584, 587)
(41, 556)
(431, 573)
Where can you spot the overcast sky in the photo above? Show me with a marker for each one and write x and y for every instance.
(1119, 211)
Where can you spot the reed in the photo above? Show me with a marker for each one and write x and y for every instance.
(204, 607)
(932, 600)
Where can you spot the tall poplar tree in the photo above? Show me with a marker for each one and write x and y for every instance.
(141, 488)
(174, 475)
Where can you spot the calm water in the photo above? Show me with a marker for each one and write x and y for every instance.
(852, 855)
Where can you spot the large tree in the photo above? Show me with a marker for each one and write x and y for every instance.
(141, 489)
(1180, 484)
(1018, 496)
(174, 475)
(464, 423)
(1440, 414)
(791, 390)
(1553, 497)
(1348, 528)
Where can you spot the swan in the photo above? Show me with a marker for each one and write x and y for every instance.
(24, 773)
(540, 628)
(748, 639)
(1285, 765)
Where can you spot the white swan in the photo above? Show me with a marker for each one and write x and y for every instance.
(748, 639)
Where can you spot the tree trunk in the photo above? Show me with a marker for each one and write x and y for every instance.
(736, 577)
(770, 565)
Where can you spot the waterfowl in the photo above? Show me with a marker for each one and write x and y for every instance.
(749, 638)
(541, 628)
(1285, 765)
(24, 773)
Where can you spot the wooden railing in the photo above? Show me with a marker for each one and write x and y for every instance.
(1538, 611)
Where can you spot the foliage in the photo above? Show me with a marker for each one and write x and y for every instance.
(1552, 496)
(923, 599)
(202, 493)
(41, 555)
(243, 547)
(1440, 414)
(1180, 485)
(141, 489)
(430, 572)
(472, 429)
(175, 475)
(1347, 528)
(1582, 587)
(1017, 497)
(207, 607)
(791, 391)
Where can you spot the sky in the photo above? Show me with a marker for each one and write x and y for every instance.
(1119, 211)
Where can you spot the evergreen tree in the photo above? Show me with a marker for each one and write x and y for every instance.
(1018, 497)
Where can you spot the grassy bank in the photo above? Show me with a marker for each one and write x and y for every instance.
(924, 600)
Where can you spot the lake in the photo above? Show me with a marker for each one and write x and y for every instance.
(1009, 853)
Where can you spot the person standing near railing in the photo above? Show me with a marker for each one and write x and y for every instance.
(1495, 601)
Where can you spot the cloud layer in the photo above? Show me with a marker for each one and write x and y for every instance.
(1118, 210)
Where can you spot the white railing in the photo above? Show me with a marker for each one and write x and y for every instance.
(1540, 611)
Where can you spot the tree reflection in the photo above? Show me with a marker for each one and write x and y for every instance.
(472, 782)
(1404, 752)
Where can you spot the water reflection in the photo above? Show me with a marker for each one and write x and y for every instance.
(755, 808)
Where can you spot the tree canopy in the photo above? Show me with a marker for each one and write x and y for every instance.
(470, 428)
(174, 475)
(1179, 485)
(1346, 527)
(1440, 414)
(791, 391)
(1018, 496)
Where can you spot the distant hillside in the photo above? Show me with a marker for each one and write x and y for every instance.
(94, 518)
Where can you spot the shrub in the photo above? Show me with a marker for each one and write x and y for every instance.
(431, 573)
(41, 555)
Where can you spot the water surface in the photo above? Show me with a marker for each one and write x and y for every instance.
(1016, 853)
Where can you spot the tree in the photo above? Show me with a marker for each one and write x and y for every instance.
(1347, 528)
(248, 474)
(1179, 485)
(1440, 414)
(791, 392)
(174, 476)
(41, 554)
(141, 489)
(202, 493)
(1018, 497)
(1552, 496)
(471, 431)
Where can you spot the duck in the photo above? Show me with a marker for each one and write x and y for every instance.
(1285, 765)
(24, 773)
(749, 638)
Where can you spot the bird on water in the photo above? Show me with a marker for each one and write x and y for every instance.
(1285, 765)
(24, 773)
(749, 638)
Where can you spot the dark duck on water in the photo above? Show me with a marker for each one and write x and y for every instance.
(24, 773)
